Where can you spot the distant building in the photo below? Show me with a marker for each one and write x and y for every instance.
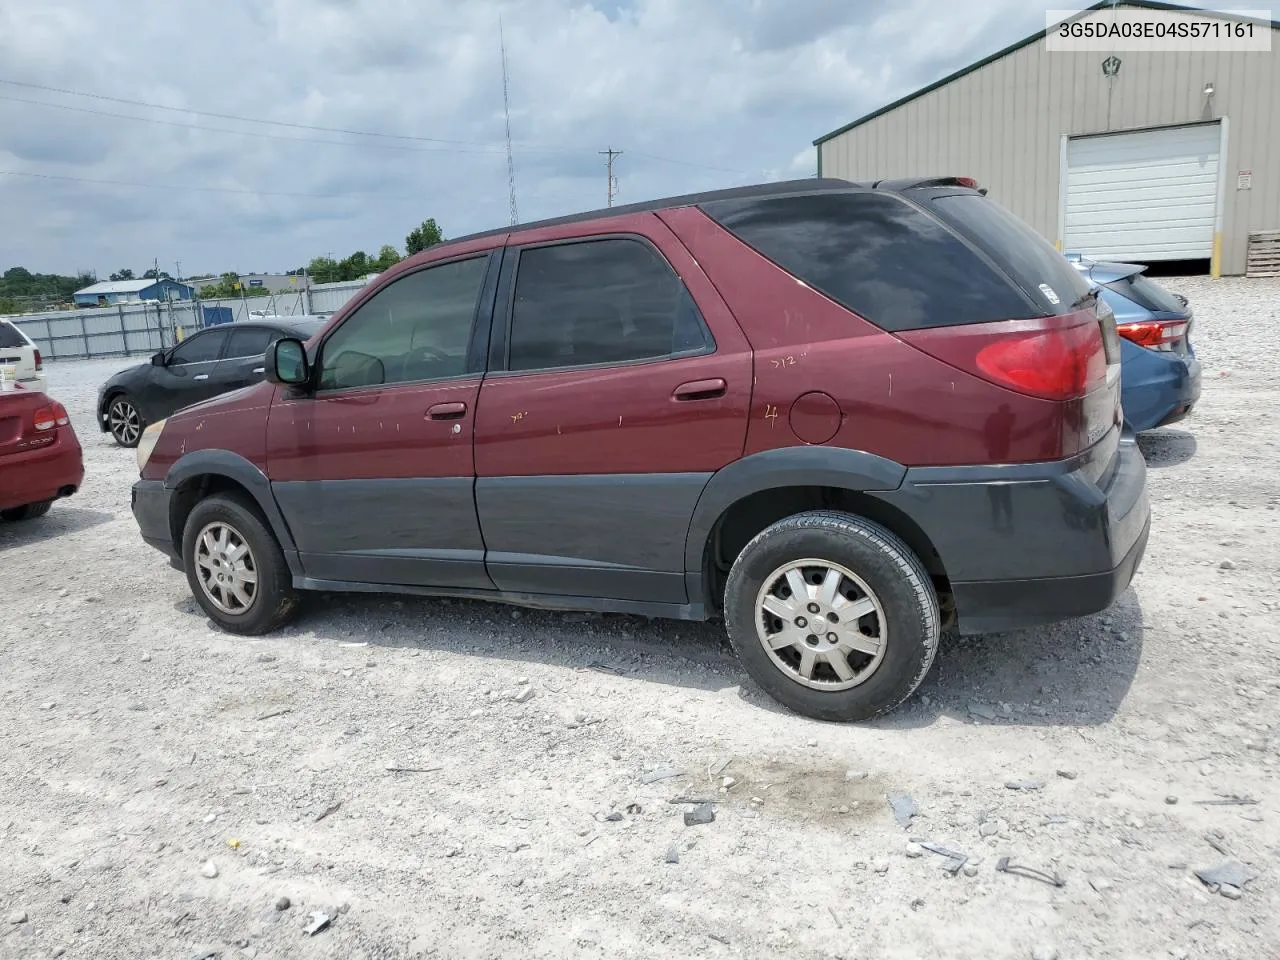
(1139, 156)
(258, 283)
(111, 292)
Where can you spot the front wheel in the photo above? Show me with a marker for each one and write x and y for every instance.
(832, 615)
(124, 421)
(235, 567)
(27, 512)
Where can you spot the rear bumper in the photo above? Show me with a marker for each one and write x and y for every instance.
(1157, 388)
(45, 473)
(1029, 544)
(150, 504)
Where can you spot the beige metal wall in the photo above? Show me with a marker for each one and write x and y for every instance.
(1004, 123)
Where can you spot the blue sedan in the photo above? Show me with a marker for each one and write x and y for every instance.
(1159, 372)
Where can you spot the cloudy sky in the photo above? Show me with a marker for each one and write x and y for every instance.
(698, 94)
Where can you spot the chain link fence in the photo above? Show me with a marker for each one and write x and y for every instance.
(145, 327)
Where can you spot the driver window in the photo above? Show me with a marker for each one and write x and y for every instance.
(417, 328)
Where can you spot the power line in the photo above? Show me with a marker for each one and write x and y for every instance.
(196, 189)
(304, 126)
(232, 116)
(242, 133)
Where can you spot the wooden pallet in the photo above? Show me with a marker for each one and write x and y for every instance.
(1264, 254)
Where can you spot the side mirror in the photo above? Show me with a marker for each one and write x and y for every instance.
(158, 359)
(286, 363)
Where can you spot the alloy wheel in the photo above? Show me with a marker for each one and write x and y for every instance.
(124, 422)
(821, 624)
(226, 568)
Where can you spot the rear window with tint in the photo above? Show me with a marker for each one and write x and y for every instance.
(1032, 261)
(9, 335)
(882, 257)
(1145, 292)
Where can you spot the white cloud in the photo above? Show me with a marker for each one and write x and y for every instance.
(697, 95)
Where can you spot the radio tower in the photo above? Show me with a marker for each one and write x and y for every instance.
(506, 109)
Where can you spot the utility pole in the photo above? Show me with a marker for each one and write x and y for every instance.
(506, 112)
(613, 181)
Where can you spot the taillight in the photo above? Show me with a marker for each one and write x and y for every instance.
(1055, 358)
(1153, 334)
(39, 362)
(969, 182)
(50, 416)
(1054, 364)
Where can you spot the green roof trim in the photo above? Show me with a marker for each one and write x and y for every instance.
(1102, 4)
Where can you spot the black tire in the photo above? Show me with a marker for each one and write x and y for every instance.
(124, 421)
(28, 512)
(894, 575)
(274, 602)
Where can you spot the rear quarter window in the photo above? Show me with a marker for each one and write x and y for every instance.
(1043, 273)
(885, 259)
(10, 337)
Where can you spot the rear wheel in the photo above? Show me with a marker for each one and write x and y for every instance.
(124, 421)
(832, 615)
(28, 512)
(235, 567)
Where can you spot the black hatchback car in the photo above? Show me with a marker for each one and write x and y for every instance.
(206, 364)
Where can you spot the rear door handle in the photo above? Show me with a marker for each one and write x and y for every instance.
(259, 369)
(447, 411)
(201, 376)
(700, 390)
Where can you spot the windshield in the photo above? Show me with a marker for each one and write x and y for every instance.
(1044, 273)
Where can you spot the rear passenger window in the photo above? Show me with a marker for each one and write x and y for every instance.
(9, 335)
(600, 301)
(252, 342)
(883, 258)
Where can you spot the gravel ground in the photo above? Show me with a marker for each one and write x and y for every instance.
(140, 745)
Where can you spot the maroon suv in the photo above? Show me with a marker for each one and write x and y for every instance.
(843, 416)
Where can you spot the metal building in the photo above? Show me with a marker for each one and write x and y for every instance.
(110, 292)
(1140, 156)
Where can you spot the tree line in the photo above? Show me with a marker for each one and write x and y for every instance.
(22, 290)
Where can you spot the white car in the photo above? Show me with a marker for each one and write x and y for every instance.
(19, 359)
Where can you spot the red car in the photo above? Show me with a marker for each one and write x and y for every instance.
(40, 457)
(842, 416)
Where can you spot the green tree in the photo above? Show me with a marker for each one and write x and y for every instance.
(354, 267)
(428, 234)
(9, 305)
(125, 274)
(153, 275)
(388, 257)
(323, 270)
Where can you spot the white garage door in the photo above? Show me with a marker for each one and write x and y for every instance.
(1144, 196)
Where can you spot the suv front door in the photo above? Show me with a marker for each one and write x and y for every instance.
(619, 382)
(373, 466)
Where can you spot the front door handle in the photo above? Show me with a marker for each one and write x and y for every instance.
(700, 390)
(446, 411)
(201, 376)
(259, 369)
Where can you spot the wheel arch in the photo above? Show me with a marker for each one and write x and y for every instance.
(759, 490)
(201, 473)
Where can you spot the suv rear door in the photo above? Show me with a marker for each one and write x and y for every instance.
(618, 383)
(373, 469)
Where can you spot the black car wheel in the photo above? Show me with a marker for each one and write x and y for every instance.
(832, 615)
(124, 421)
(28, 512)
